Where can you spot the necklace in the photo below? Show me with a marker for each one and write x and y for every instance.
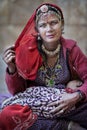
(50, 72)
(51, 53)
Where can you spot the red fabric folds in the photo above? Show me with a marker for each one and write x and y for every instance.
(28, 59)
(16, 117)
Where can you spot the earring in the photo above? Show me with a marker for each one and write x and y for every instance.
(39, 38)
(62, 29)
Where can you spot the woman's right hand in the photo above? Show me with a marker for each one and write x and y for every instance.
(9, 59)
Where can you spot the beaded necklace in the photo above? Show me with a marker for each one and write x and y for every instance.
(51, 53)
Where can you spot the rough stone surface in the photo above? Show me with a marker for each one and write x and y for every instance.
(14, 14)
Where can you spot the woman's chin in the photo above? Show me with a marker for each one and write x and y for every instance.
(51, 40)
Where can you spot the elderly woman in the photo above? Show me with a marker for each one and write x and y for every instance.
(43, 61)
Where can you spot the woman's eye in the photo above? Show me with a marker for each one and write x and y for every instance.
(54, 22)
(42, 25)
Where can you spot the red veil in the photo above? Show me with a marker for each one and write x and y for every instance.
(28, 59)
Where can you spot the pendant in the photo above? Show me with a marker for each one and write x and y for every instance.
(50, 82)
(59, 66)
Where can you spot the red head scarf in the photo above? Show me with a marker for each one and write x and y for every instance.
(28, 59)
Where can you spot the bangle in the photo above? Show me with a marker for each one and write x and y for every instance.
(10, 73)
(81, 95)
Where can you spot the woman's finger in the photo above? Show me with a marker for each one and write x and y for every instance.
(55, 103)
(8, 52)
(58, 108)
(62, 111)
(10, 55)
(10, 48)
(10, 59)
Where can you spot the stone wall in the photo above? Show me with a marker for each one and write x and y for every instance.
(14, 14)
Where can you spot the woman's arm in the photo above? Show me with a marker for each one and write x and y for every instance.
(79, 63)
(15, 83)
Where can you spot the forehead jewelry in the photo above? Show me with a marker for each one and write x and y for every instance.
(47, 9)
(43, 9)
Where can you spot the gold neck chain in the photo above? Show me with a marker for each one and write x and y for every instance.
(51, 53)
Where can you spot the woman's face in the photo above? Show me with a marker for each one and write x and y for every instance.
(49, 28)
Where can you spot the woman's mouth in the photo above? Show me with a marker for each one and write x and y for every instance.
(50, 36)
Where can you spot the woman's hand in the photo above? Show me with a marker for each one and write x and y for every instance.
(66, 103)
(9, 59)
(74, 84)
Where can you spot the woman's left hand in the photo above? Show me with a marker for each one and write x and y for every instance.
(63, 105)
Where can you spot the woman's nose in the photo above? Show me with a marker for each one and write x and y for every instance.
(49, 28)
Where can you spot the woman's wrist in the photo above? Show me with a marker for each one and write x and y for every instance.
(81, 95)
(11, 71)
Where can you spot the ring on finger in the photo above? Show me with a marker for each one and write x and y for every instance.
(62, 111)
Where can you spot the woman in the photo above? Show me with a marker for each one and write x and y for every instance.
(42, 57)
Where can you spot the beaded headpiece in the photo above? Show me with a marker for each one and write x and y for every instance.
(47, 9)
